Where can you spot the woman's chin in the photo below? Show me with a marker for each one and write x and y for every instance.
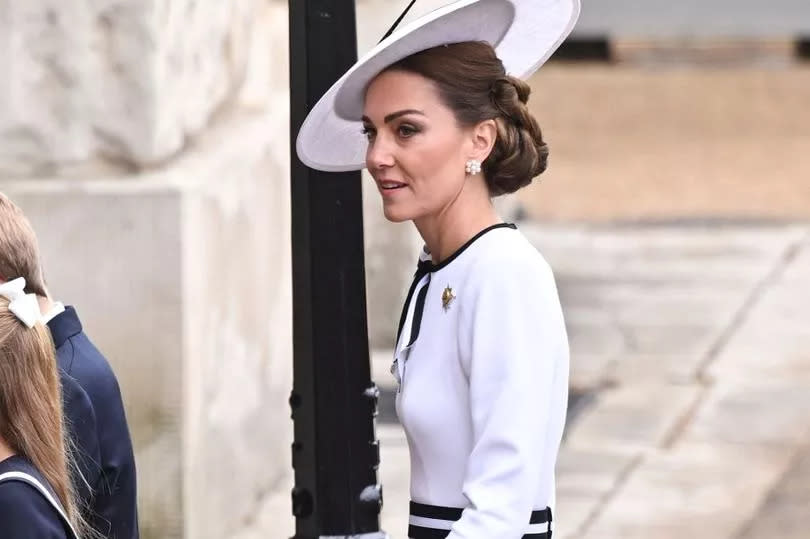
(394, 214)
(396, 218)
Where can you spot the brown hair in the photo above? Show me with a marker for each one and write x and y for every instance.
(473, 83)
(31, 420)
(19, 250)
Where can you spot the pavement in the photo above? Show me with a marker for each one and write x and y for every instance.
(691, 343)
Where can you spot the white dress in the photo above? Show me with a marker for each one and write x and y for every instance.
(482, 361)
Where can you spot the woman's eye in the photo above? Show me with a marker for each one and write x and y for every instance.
(369, 132)
(406, 130)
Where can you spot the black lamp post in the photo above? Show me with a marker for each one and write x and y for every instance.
(335, 453)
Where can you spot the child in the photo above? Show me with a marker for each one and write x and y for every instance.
(36, 495)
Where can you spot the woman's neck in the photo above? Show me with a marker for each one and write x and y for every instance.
(446, 231)
(5, 450)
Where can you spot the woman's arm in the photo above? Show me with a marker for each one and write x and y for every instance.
(518, 366)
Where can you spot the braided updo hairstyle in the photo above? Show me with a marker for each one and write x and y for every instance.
(472, 82)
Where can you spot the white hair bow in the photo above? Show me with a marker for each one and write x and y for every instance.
(24, 306)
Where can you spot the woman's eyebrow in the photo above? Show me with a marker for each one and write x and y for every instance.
(394, 115)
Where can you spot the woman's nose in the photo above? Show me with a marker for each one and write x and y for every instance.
(379, 154)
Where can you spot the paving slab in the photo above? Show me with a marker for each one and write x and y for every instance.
(637, 417)
(764, 353)
(573, 511)
(649, 309)
(656, 367)
(720, 272)
(798, 269)
(653, 254)
(764, 412)
(696, 490)
(773, 340)
(595, 338)
(593, 471)
(663, 240)
(784, 514)
(588, 371)
(684, 338)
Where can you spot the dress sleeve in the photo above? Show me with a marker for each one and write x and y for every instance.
(517, 366)
(115, 512)
(80, 421)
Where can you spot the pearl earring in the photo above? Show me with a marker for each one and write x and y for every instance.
(473, 166)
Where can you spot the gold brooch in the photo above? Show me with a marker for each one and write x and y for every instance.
(447, 297)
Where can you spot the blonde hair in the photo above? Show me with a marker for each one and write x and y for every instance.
(31, 420)
(19, 249)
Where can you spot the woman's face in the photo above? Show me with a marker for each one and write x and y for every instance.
(416, 151)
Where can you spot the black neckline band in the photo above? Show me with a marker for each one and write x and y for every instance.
(425, 267)
(436, 267)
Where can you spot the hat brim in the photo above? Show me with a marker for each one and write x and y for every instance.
(524, 33)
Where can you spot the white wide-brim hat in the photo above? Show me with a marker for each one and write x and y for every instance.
(524, 34)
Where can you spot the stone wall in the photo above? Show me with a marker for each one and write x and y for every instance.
(94, 87)
(148, 142)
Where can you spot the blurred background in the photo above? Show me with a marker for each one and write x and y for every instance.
(148, 142)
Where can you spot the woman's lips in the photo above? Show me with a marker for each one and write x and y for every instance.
(391, 184)
(390, 187)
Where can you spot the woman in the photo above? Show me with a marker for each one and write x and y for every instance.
(482, 354)
(36, 497)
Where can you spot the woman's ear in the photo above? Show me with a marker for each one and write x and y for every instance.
(483, 138)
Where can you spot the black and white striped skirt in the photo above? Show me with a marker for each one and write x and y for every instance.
(434, 522)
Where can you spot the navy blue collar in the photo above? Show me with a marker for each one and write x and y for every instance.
(64, 325)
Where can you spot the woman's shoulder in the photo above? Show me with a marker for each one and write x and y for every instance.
(506, 254)
(25, 512)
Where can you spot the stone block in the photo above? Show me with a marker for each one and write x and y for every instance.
(237, 321)
(116, 254)
(182, 278)
(92, 88)
(274, 517)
